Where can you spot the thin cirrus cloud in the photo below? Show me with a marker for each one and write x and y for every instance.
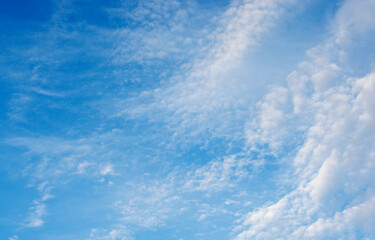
(145, 123)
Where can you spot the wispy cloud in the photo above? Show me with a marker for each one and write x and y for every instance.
(118, 233)
(209, 96)
(51, 162)
(150, 118)
(161, 30)
(221, 174)
(37, 211)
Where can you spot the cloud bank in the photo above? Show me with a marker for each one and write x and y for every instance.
(330, 108)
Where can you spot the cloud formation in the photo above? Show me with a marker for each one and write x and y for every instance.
(332, 111)
(135, 120)
(210, 95)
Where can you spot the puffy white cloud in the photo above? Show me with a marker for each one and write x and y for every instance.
(333, 113)
(346, 223)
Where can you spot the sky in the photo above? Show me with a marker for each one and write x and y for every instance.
(169, 119)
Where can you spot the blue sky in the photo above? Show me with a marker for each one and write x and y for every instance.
(243, 119)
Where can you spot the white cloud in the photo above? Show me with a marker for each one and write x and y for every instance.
(220, 175)
(37, 212)
(116, 233)
(107, 169)
(353, 19)
(17, 107)
(150, 204)
(334, 115)
(270, 126)
(81, 168)
(160, 32)
(50, 162)
(210, 96)
(56, 157)
(345, 223)
(48, 93)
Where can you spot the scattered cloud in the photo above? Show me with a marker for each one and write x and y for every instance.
(37, 211)
(210, 96)
(107, 170)
(221, 174)
(119, 233)
(157, 115)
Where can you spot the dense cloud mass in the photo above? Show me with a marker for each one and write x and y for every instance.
(244, 119)
(334, 197)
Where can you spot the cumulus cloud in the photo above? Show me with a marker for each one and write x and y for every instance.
(332, 112)
(335, 168)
